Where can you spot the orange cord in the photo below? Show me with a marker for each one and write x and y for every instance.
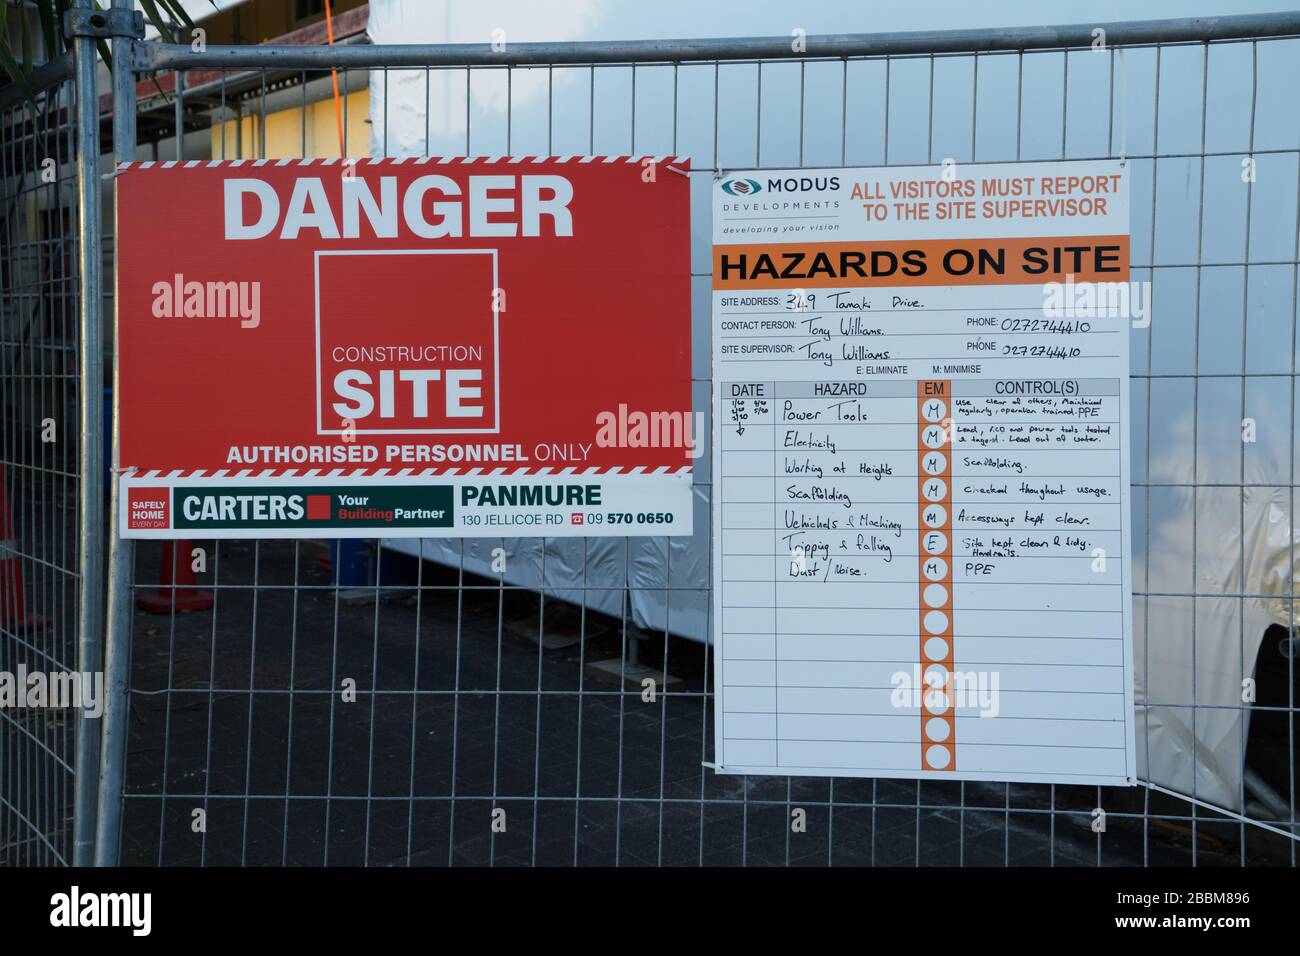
(338, 109)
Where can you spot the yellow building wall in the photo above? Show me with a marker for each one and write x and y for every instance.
(284, 131)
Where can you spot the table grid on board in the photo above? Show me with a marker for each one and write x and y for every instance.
(895, 555)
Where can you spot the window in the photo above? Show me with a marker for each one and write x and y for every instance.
(302, 9)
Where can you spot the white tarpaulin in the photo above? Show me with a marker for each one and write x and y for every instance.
(604, 567)
(1200, 650)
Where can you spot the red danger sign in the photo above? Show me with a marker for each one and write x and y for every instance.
(514, 330)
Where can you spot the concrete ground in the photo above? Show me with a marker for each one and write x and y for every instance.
(287, 771)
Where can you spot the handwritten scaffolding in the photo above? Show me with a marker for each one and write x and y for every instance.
(921, 513)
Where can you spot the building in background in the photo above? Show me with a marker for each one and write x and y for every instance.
(257, 114)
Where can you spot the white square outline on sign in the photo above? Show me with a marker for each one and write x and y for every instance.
(496, 342)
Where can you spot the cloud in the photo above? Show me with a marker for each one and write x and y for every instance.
(409, 128)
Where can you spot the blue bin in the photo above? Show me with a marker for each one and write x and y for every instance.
(350, 559)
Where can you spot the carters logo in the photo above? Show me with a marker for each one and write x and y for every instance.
(741, 187)
(248, 508)
(403, 506)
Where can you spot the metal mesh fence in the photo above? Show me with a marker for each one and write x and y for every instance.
(39, 471)
(445, 711)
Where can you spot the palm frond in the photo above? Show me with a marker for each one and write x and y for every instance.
(18, 53)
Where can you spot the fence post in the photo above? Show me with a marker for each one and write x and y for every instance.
(90, 546)
(121, 560)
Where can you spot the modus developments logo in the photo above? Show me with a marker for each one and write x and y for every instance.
(759, 198)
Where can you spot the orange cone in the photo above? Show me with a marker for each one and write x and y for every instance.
(13, 601)
(176, 590)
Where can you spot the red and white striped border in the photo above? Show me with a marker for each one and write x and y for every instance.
(226, 473)
(681, 161)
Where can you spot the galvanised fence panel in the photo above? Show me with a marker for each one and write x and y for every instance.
(444, 711)
(40, 475)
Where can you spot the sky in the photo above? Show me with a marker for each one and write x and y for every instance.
(637, 19)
